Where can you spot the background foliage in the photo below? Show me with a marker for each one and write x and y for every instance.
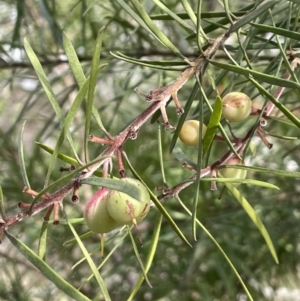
(178, 272)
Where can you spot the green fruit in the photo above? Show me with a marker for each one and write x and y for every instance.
(236, 106)
(233, 172)
(126, 210)
(96, 215)
(189, 133)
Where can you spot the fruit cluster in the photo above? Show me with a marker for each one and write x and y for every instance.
(109, 208)
(237, 106)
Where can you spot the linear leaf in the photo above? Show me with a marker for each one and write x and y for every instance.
(46, 270)
(213, 125)
(90, 262)
(275, 172)
(52, 98)
(254, 217)
(264, 6)
(65, 179)
(150, 256)
(138, 257)
(280, 31)
(257, 75)
(79, 74)
(183, 158)
(119, 185)
(154, 29)
(2, 207)
(22, 157)
(64, 157)
(73, 60)
(160, 65)
(91, 90)
(184, 115)
(242, 181)
(220, 249)
(61, 156)
(172, 15)
(42, 248)
(107, 257)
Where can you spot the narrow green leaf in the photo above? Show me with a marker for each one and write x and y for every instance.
(114, 184)
(91, 90)
(160, 65)
(160, 153)
(184, 115)
(279, 105)
(213, 125)
(107, 257)
(22, 157)
(258, 75)
(220, 249)
(50, 94)
(69, 119)
(154, 29)
(187, 7)
(2, 207)
(91, 263)
(73, 60)
(79, 74)
(212, 26)
(242, 181)
(282, 120)
(183, 158)
(275, 172)
(264, 6)
(199, 161)
(172, 15)
(64, 157)
(65, 179)
(61, 156)
(82, 236)
(282, 137)
(221, 129)
(42, 248)
(135, 16)
(46, 270)
(254, 217)
(205, 14)
(138, 257)
(150, 256)
(280, 31)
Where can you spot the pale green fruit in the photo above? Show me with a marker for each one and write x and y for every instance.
(189, 133)
(233, 172)
(236, 106)
(96, 215)
(126, 210)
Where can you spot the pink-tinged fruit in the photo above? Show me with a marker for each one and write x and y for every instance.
(96, 215)
(126, 210)
(236, 106)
